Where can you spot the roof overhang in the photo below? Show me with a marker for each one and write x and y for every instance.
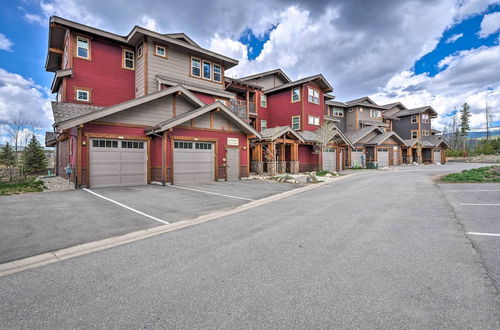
(343, 138)
(281, 132)
(199, 89)
(389, 135)
(278, 72)
(56, 82)
(319, 79)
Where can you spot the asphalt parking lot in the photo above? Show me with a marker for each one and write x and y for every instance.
(477, 208)
(42, 222)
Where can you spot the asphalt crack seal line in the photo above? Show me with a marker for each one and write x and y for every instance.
(87, 248)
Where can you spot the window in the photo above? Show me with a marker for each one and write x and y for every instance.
(183, 145)
(413, 119)
(263, 124)
(82, 95)
(128, 59)
(313, 96)
(83, 47)
(203, 146)
(160, 51)
(337, 112)
(296, 94)
(207, 70)
(104, 144)
(425, 133)
(374, 113)
(414, 134)
(139, 51)
(296, 123)
(195, 67)
(217, 73)
(425, 118)
(312, 120)
(263, 101)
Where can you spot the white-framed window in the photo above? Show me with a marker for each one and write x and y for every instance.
(313, 120)
(414, 134)
(374, 113)
(425, 118)
(128, 59)
(160, 51)
(139, 51)
(217, 73)
(82, 47)
(207, 70)
(425, 133)
(413, 119)
(263, 124)
(82, 95)
(98, 143)
(263, 101)
(132, 145)
(222, 101)
(312, 95)
(296, 94)
(195, 67)
(337, 112)
(296, 122)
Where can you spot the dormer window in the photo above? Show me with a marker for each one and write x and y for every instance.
(128, 59)
(195, 67)
(425, 118)
(83, 47)
(217, 73)
(160, 51)
(374, 113)
(207, 70)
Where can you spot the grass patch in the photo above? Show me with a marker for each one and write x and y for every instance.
(323, 173)
(21, 186)
(482, 174)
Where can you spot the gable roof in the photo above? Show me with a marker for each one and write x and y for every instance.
(175, 121)
(319, 77)
(355, 136)
(435, 140)
(182, 36)
(310, 136)
(271, 134)
(365, 101)
(336, 103)
(241, 82)
(194, 87)
(278, 72)
(424, 143)
(379, 139)
(63, 111)
(415, 111)
(392, 105)
(103, 112)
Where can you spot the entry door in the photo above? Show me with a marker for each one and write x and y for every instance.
(395, 156)
(193, 162)
(330, 160)
(233, 164)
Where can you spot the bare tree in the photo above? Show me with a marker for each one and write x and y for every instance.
(18, 121)
(325, 134)
(487, 113)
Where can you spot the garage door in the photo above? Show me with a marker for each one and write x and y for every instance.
(117, 163)
(330, 160)
(193, 162)
(356, 157)
(437, 156)
(383, 157)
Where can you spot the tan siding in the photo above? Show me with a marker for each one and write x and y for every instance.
(139, 76)
(183, 106)
(268, 82)
(150, 113)
(202, 121)
(220, 122)
(176, 65)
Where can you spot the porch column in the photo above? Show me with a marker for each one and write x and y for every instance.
(257, 163)
(294, 162)
(271, 158)
(282, 160)
(409, 157)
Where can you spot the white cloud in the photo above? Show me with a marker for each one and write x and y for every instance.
(149, 23)
(490, 24)
(5, 43)
(69, 9)
(33, 18)
(454, 38)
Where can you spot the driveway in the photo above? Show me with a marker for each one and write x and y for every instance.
(375, 251)
(41, 222)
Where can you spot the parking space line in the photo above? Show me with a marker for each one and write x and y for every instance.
(473, 190)
(125, 206)
(213, 193)
(472, 204)
(482, 234)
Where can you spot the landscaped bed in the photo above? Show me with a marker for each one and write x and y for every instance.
(482, 174)
(30, 184)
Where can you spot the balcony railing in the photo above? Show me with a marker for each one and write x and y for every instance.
(239, 107)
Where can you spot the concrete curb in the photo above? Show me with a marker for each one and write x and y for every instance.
(86, 248)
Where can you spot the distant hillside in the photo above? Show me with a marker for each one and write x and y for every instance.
(480, 135)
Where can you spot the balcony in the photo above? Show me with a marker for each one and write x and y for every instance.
(239, 107)
(252, 109)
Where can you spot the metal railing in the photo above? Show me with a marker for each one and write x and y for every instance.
(239, 107)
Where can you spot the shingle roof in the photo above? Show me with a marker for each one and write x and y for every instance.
(50, 139)
(188, 85)
(412, 142)
(336, 103)
(435, 140)
(364, 101)
(63, 111)
(309, 136)
(242, 82)
(392, 105)
(320, 77)
(275, 132)
(266, 73)
(415, 111)
(373, 123)
(355, 136)
(379, 139)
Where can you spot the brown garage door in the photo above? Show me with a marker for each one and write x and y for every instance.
(193, 162)
(117, 163)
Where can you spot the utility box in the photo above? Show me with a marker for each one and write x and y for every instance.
(371, 165)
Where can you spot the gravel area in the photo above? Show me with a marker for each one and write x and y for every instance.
(57, 183)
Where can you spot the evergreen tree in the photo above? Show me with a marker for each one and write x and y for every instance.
(34, 157)
(7, 156)
(464, 119)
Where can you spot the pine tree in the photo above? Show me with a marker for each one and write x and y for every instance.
(34, 157)
(464, 119)
(7, 156)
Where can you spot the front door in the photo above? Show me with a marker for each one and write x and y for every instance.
(233, 164)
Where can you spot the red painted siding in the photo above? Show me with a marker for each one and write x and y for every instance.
(156, 152)
(280, 109)
(307, 156)
(263, 113)
(110, 83)
(312, 108)
(208, 99)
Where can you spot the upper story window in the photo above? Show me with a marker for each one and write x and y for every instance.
(83, 47)
(375, 113)
(207, 70)
(128, 59)
(139, 51)
(217, 73)
(160, 51)
(338, 112)
(414, 119)
(414, 134)
(195, 67)
(296, 123)
(263, 101)
(425, 133)
(313, 120)
(425, 118)
(296, 94)
(313, 95)
(82, 95)
(263, 124)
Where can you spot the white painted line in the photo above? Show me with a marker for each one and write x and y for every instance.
(483, 234)
(473, 190)
(125, 206)
(212, 193)
(471, 204)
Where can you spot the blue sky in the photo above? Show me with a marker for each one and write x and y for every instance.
(447, 55)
